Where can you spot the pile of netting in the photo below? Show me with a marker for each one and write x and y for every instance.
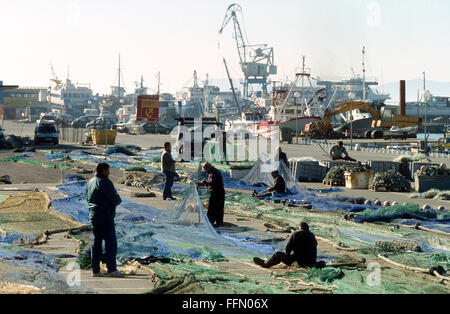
(26, 216)
(389, 181)
(432, 194)
(414, 158)
(148, 161)
(142, 180)
(25, 271)
(433, 171)
(44, 164)
(336, 175)
(26, 219)
(406, 214)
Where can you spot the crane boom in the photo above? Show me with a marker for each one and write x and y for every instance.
(240, 42)
(256, 61)
(232, 87)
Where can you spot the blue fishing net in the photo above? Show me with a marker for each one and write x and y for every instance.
(182, 229)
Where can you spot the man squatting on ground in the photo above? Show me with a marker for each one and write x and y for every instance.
(301, 248)
(278, 187)
(217, 199)
(338, 150)
(103, 199)
(168, 168)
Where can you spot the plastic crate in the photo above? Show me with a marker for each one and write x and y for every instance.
(425, 183)
(384, 166)
(338, 163)
(309, 171)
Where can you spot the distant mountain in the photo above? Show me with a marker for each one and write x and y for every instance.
(436, 89)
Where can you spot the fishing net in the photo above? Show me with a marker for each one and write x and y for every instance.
(433, 171)
(389, 181)
(44, 164)
(413, 158)
(182, 229)
(432, 194)
(27, 215)
(408, 210)
(261, 173)
(31, 272)
(203, 260)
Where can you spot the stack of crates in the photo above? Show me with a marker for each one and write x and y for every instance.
(307, 171)
(384, 166)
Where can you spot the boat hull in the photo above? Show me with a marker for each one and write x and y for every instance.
(300, 125)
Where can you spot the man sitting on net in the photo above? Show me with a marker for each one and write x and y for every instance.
(278, 187)
(338, 150)
(301, 248)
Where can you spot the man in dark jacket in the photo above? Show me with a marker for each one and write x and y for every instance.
(103, 199)
(282, 157)
(279, 186)
(168, 168)
(217, 199)
(301, 248)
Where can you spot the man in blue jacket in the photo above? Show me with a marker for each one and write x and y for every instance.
(103, 199)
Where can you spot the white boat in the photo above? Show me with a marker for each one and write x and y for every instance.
(396, 132)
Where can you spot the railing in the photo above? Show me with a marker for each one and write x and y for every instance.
(379, 150)
(72, 135)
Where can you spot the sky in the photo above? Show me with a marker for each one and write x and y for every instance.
(403, 38)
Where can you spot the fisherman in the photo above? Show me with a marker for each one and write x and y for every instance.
(337, 150)
(103, 199)
(217, 199)
(283, 157)
(168, 168)
(278, 187)
(301, 248)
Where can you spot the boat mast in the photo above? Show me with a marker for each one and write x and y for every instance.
(159, 82)
(364, 73)
(118, 85)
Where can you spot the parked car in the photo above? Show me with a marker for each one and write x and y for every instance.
(45, 132)
(101, 123)
(124, 127)
(150, 128)
(64, 117)
(49, 116)
(110, 116)
(82, 121)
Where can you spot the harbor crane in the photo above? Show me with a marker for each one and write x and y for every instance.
(256, 61)
(55, 78)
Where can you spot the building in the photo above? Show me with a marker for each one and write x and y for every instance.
(17, 101)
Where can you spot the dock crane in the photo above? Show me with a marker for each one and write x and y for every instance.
(256, 61)
(54, 77)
